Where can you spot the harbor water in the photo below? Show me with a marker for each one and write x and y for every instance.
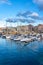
(19, 53)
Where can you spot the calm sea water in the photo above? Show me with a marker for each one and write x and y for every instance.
(17, 53)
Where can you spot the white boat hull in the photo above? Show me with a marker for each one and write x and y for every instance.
(26, 40)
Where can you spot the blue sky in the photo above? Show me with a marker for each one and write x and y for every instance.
(10, 9)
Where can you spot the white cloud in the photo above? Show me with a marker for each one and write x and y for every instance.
(39, 3)
(17, 20)
(5, 2)
(2, 23)
(34, 14)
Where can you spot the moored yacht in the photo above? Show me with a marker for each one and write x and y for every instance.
(18, 38)
(8, 37)
(26, 40)
(3, 36)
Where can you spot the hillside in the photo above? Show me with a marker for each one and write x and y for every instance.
(23, 29)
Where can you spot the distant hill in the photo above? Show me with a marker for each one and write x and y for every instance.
(31, 28)
(24, 29)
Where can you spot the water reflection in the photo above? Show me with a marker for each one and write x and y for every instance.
(19, 53)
